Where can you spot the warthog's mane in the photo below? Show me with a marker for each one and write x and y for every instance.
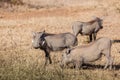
(50, 34)
(92, 21)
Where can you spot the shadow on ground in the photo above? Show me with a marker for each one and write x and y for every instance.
(116, 41)
(92, 66)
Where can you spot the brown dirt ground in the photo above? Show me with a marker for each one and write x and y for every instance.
(16, 27)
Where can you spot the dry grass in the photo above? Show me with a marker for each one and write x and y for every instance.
(18, 61)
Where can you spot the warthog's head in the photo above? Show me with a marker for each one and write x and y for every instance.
(100, 22)
(65, 59)
(38, 39)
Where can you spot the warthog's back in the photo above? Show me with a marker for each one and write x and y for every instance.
(91, 52)
(87, 28)
(61, 40)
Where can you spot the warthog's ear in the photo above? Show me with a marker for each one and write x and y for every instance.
(102, 18)
(44, 31)
(42, 34)
(94, 17)
(33, 33)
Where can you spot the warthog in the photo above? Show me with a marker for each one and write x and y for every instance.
(89, 53)
(53, 42)
(88, 28)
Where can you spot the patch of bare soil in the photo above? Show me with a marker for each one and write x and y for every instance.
(18, 25)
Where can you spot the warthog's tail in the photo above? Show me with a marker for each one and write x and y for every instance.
(116, 41)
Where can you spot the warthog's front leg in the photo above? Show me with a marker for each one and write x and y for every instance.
(94, 36)
(90, 37)
(47, 57)
(78, 64)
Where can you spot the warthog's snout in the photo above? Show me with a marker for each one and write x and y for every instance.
(101, 27)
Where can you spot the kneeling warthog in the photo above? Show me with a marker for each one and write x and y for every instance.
(88, 53)
(53, 42)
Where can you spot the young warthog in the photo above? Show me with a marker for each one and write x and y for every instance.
(89, 53)
(53, 42)
(87, 28)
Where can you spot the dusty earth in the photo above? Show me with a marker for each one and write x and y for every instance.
(16, 27)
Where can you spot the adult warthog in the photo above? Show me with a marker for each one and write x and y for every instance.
(88, 53)
(88, 28)
(53, 42)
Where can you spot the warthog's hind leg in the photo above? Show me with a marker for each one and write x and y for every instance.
(108, 57)
(106, 65)
(94, 36)
(111, 63)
